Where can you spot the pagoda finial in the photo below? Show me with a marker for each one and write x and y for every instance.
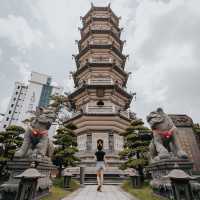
(92, 5)
(109, 5)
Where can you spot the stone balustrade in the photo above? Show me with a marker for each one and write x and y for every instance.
(103, 60)
(102, 81)
(103, 109)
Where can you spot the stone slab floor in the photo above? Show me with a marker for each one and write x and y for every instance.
(109, 192)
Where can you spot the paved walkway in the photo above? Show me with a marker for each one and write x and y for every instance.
(109, 192)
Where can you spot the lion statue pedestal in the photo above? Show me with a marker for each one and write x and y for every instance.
(165, 153)
(17, 166)
(162, 168)
(36, 150)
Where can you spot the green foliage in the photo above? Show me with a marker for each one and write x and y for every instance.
(11, 139)
(137, 139)
(65, 139)
(66, 147)
(57, 191)
(59, 101)
(144, 193)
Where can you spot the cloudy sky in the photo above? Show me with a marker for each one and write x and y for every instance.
(163, 41)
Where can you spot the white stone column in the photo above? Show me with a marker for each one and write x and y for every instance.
(118, 142)
(81, 140)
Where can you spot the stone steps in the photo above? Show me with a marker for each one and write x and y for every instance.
(110, 178)
(112, 175)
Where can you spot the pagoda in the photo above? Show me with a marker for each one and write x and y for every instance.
(100, 101)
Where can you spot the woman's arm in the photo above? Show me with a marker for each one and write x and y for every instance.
(95, 156)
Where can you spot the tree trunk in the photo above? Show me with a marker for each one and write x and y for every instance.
(60, 171)
(141, 173)
(140, 169)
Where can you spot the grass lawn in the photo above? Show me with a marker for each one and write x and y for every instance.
(57, 191)
(144, 193)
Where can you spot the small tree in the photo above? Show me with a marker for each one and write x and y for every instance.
(11, 140)
(135, 153)
(66, 142)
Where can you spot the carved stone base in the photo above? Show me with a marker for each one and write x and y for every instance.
(9, 189)
(3, 172)
(162, 168)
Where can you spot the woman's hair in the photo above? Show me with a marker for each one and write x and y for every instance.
(100, 145)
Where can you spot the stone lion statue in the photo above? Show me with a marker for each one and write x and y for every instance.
(164, 144)
(36, 143)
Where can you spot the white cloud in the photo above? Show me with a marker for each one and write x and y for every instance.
(18, 31)
(24, 68)
(59, 17)
(162, 40)
(1, 52)
(4, 104)
(68, 83)
(51, 45)
(166, 45)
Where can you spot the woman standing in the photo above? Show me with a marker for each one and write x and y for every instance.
(100, 164)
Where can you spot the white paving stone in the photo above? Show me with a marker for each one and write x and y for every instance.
(109, 192)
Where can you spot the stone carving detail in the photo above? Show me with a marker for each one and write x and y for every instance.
(165, 143)
(181, 120)
(36, 143)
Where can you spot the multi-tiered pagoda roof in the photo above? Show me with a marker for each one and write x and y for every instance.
(100, 100)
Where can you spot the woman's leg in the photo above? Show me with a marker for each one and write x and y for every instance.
(101, 177)
(98, 178)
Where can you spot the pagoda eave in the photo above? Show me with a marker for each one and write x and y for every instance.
(105, 46)
(95, 8)
(98, 115)
(108, 65)
(109, 32)
(89, 66)
(109, 19)
(88, 87)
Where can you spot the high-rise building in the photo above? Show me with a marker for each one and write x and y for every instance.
(26, 98)
(100, 101)
(14, 109)
(38, 93)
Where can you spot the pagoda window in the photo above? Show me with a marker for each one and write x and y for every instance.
(100, 92)
(100, 103)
